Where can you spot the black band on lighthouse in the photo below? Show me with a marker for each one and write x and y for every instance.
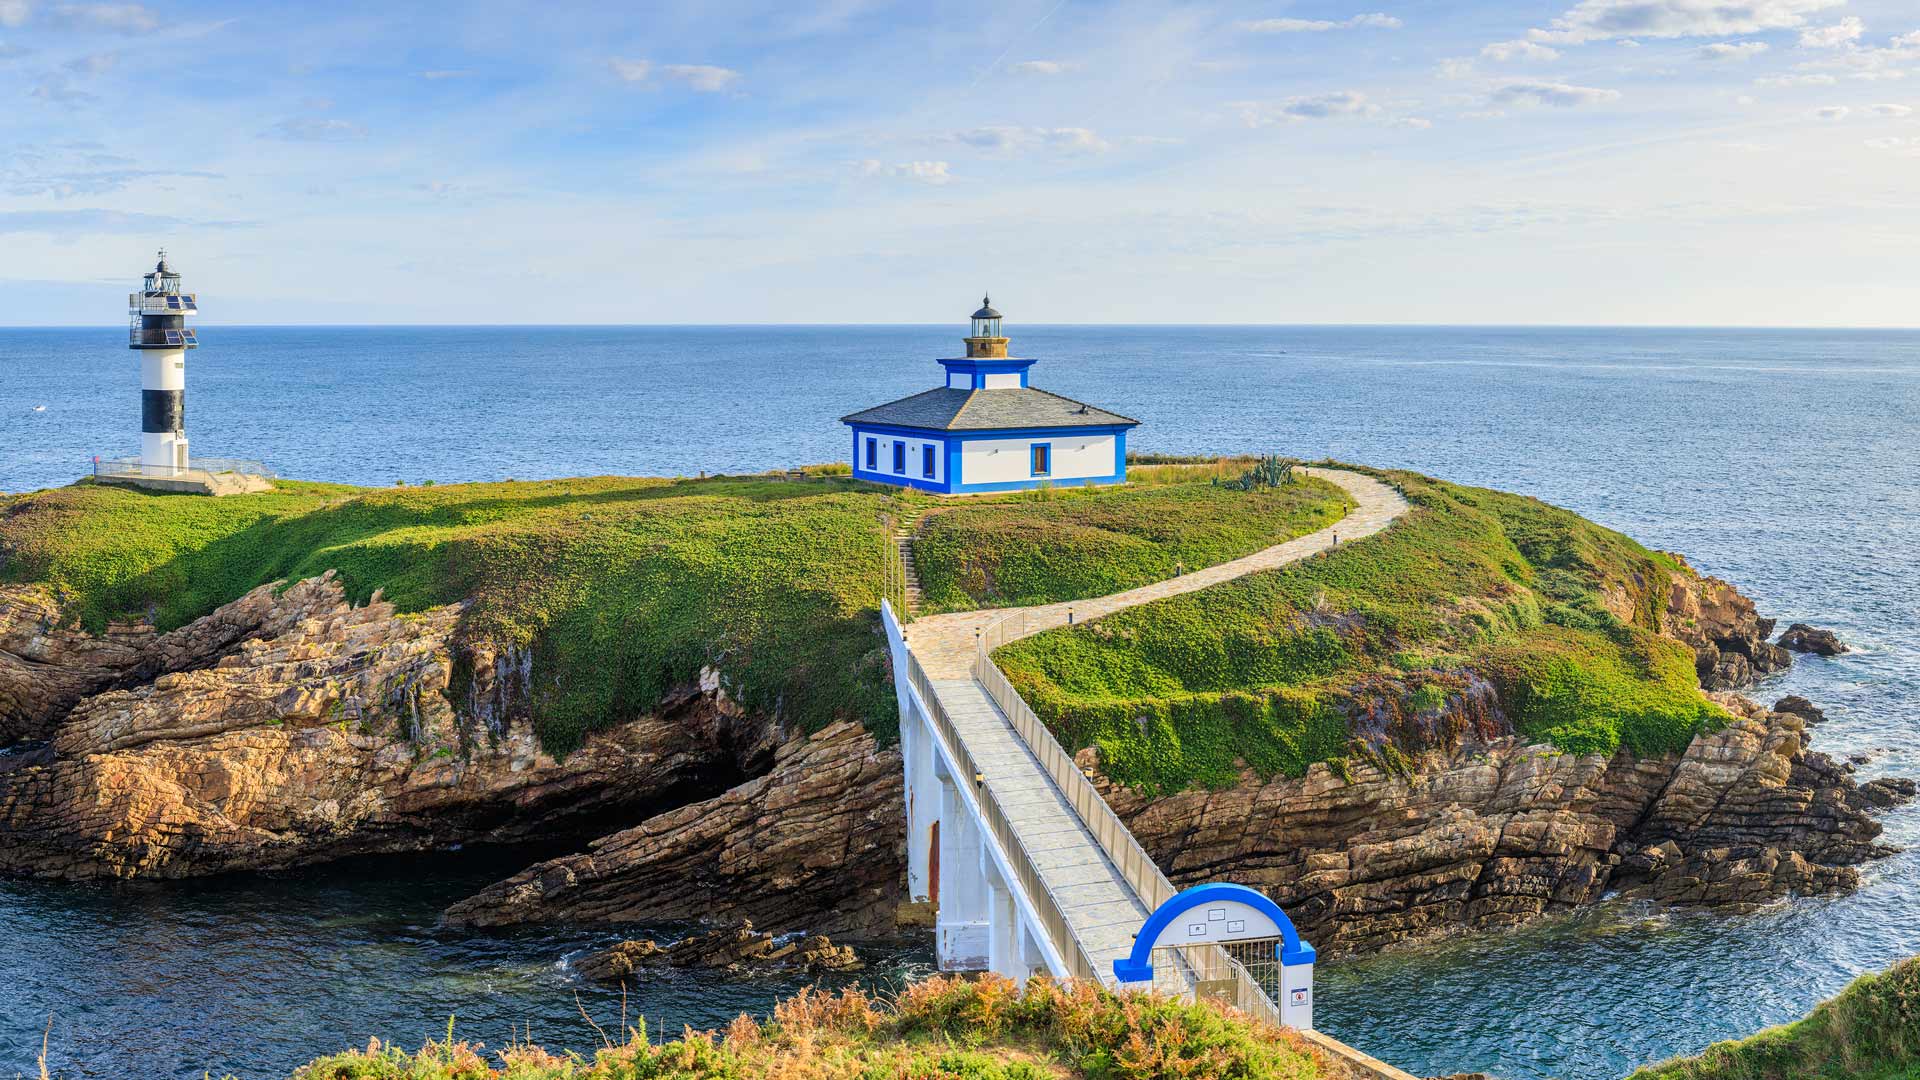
(163, 411)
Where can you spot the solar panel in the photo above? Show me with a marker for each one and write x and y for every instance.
(191, 340)
(173, 337)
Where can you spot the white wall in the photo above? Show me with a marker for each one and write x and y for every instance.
(999, 461)
(883, 460)
(1004, 380)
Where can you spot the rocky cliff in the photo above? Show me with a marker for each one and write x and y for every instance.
(1495, 832)
(289, 727)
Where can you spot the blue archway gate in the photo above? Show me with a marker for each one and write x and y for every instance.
(1227, 942)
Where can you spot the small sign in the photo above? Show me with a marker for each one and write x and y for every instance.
(1198, 929)
(1218, 914)
(1301, 995)
(1237, 926)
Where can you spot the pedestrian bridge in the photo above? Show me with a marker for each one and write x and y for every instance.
(1028, 870)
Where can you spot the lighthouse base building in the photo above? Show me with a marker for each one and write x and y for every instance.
(988, 429)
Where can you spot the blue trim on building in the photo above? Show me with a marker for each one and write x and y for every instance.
(979, 367)
(990, 433)
(1138, 966)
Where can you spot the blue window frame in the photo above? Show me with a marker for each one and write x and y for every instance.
(1042, 461)
(899, 457)
(926, 461)
(873, 454)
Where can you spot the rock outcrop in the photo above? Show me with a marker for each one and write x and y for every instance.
(1728, 637)
(738, 950)
(1496, 832)
(819, 840)
(290, 728)
(1810, 639)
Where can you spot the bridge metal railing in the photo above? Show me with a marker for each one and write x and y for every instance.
(1208, 963)
(994, 818)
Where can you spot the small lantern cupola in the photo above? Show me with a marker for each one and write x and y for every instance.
(986, 339)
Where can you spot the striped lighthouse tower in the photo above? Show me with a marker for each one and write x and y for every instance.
(157, 330)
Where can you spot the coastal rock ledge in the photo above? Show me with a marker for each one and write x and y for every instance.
(1499, 832)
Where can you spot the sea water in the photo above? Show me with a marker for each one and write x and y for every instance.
(1784, 461)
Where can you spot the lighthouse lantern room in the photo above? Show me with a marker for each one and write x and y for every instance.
(157, 330)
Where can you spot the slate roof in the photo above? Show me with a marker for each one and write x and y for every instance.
(944, 409)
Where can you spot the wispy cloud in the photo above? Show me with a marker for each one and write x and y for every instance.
(1833, 112)
(444, 74)
(1008, 139)
(317, 129)
(15, 12)
(1043, 67)
(76, 222)
(935, 173)
(120, 18)
(704, 78)
(1731, 50)
(1343, 103)
(1373, 21)
(1555, 94)
(1599, 20)
(1503, 51)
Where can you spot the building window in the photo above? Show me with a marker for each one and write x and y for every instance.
(873, 454)
(899, 457)
(926, 461)
(1042, 458)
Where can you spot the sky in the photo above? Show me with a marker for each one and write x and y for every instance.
(1588, 162)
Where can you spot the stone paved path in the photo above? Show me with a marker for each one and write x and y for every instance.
(944, 644)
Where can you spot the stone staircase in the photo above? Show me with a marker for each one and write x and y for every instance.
(903, 542)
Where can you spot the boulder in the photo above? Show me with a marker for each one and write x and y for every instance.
(1810, 639)
(1801, 707)
(738, 950)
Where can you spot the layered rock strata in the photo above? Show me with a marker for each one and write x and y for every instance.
(1497, 832)
(819, 841)
(290, 727)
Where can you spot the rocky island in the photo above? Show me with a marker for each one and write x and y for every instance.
(1491, 712)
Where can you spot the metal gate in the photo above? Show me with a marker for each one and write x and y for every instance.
(1232, 973)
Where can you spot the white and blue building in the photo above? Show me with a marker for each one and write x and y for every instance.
(988, 428)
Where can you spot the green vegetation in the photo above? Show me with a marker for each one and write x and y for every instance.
(938, 1029)
(1373, 648)
(1870, 1031)
(1082, 542)
(618, 589)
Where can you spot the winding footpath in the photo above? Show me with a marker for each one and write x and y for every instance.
(944, 644)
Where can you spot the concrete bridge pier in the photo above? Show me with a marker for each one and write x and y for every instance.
(964, 908)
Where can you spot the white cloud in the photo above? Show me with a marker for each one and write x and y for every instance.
(1890, 110)
(1373, 21)
(1598, 20)
(924, 172)
(125, 18)
(1457, 68)
(1419, 122)
(1844, 32)
(1796, 80)
(1503, 51)
(1732, 50)
(438, 75)
(632, 71)
(1043, 67)
(1833, 112)
(316, 129)
(1904, 147)
(705, 78)
(14, 12)
(1009, 139)
(1258, 114)
(1558, 95)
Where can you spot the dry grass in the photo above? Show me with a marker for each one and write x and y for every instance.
(937, 1029)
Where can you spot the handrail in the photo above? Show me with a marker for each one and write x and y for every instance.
(1136, 867)
(1020, 862)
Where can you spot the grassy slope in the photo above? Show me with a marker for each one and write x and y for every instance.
(621, 588)
(1358, 649)
(939, 1029)
(1091, 542)
(1870, 1031)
